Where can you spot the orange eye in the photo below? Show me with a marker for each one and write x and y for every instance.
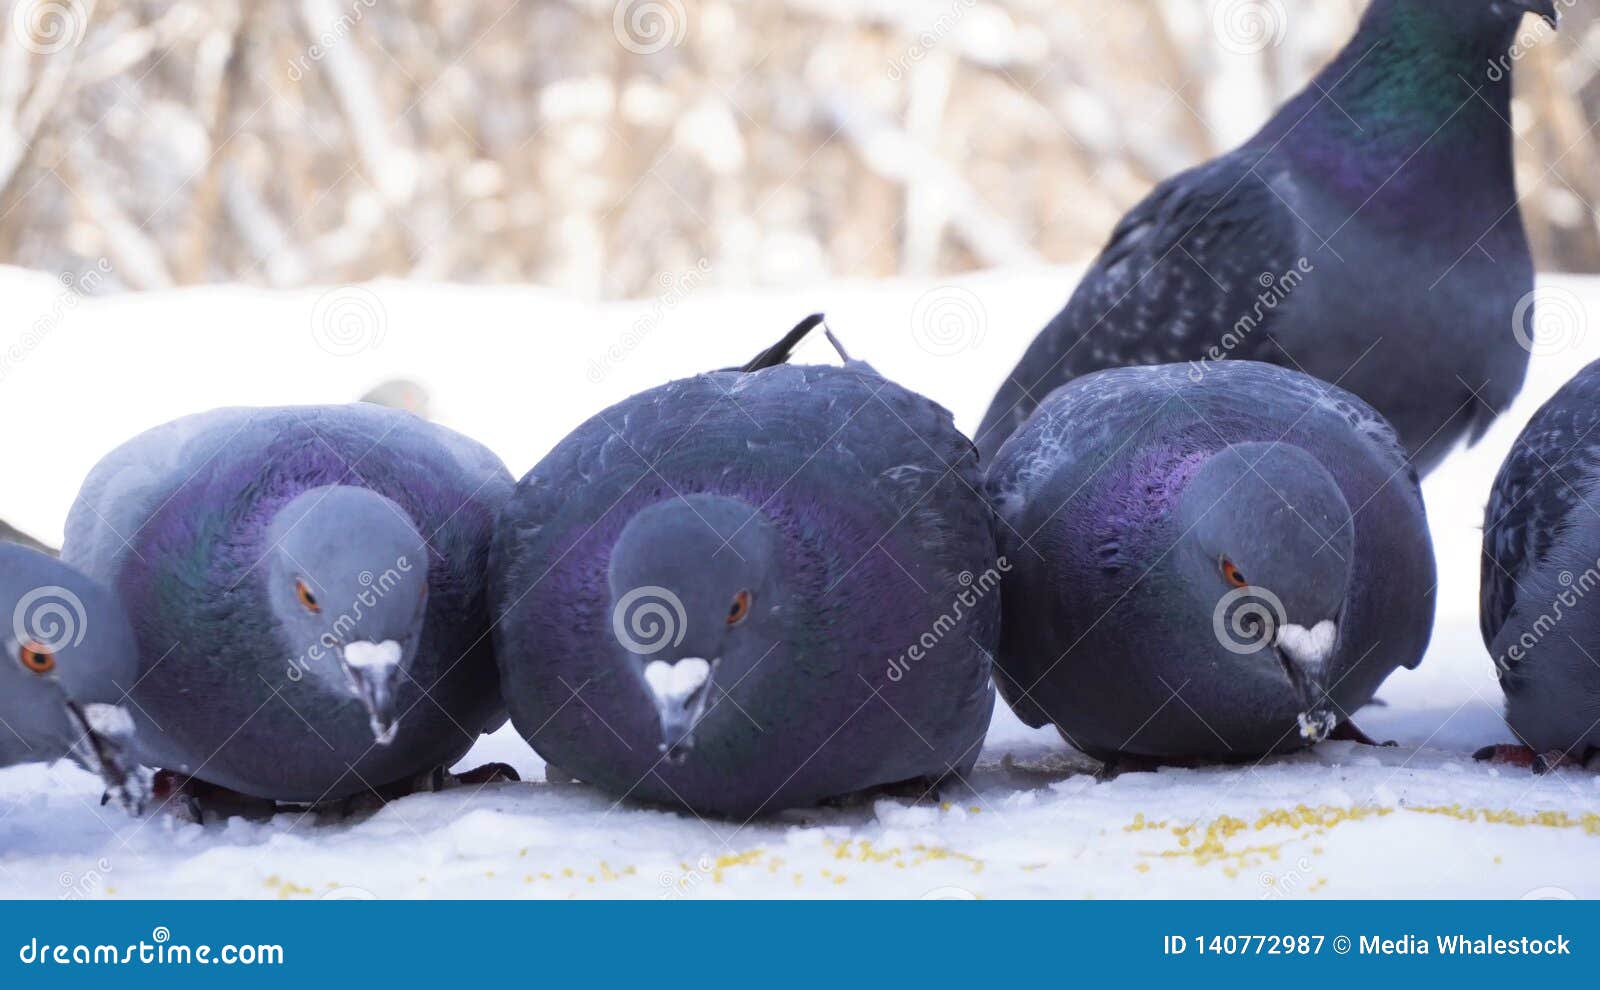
(1232, 574)
(37, 659)
(307, 598)
(740, 608)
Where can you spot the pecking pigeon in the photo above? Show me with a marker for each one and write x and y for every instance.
(1540, 591)
(1368, 235)
(1211, 570)
(70, 661)
(307, 588)
(752, 590)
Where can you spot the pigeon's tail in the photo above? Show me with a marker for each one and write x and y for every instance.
(780, 352)
(844, 355)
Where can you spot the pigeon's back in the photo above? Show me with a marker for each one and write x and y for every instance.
(140, 478)
(131, 483)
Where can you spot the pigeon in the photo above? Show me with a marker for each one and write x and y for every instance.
(403, 394)
(1539, 604)
(1207, 570)
(70, 660)
(1368, 235)
(10, 534)
(307, 588)
(755, 589)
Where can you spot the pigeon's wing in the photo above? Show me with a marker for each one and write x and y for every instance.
(1538, 488)
(1180, 280)
(901, 452)
(134, 481)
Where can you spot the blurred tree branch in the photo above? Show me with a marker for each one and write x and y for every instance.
(601, 145)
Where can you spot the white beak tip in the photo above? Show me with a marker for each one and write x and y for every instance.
(112, 721)
(675, 683)
(363, 653)
(1311, 646)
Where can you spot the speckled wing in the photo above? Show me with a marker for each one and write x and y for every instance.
(1181, 270)
(1536, 491)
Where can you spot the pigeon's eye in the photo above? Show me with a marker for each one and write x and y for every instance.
(740, 608)
(1232, 574)
(37, 658)
(307, 598)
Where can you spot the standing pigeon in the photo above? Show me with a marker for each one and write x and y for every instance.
(752, 590)
(69, 660)
(307, 589)
(1540, 591)
(1368, 235)
(1206, 570)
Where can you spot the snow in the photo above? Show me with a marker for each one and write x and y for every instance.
(519, 368)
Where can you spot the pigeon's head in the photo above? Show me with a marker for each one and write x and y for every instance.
(347, 581)
(696, 590)
(1493, 22)
(70, 659)
(1267, 559)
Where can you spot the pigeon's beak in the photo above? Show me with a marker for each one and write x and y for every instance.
(1546, 9)
(681, 691)
(1305, 652)
(103, 736)
(373, 670)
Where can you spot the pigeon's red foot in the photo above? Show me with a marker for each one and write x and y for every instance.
(1523, 756)
(192, 800)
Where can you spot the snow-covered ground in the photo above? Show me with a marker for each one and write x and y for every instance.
(518, 369)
